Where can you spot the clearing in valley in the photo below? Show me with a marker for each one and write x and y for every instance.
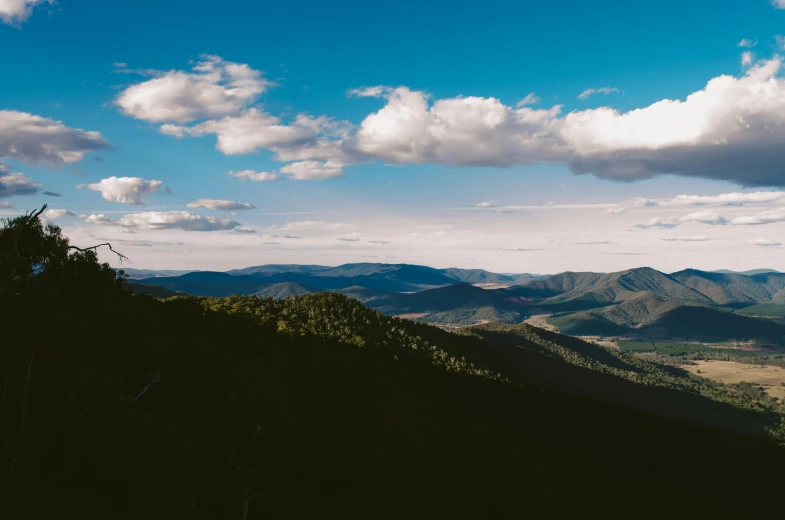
(769, 377)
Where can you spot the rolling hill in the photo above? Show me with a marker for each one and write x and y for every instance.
(278, 291)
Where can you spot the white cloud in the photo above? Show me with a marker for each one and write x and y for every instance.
(32, 138)
(377, 91)
(733, 129)
(686, 239)
(53, 214)
(486, 205)
(725, 199)
(766, 217)
(778, 4)
(615, 211)
(589, 92)
(705, 217)
(213, 88)
(747, 44)
(126, 190)
(223, 205)
(251, 175)
(349, 239)
(592, 242)
(310, 170)
(98, 219)
(747, 58)
(780, 42)
(245, 229)
(530, 99)
(518, 249)
(13, 12)
(762, 242)
(16, 184)
(182, 220)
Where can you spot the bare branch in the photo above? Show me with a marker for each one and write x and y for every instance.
(93, 248)
(35, 214)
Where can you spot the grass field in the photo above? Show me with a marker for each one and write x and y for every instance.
(769, 377)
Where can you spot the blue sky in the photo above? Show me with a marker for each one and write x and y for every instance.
(409, 162)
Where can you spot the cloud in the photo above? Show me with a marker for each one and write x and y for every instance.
(377, 91)
(30, 138)
(592, 242)
(245, 229)
(518, 249)
(486, 205)
(12, 184)
(182, 220)
(530, 99)
(779, 41)
(732, 130)
(349, 239)
(53, 214)
(126, 190)
(747, 44)
(310, 170)
(13, 12)
(213, 88)
(725, 199)
(251, 175)
(625, 253)
(52, 194)
(778, 4)
(640, 201)
(223, 205)
(658, 222)
(766, 217)
(686, 239)
(615, 211)
(762, 242)
(589, 92)
(747, 58)
(705, 217)
(382, 242)
(5, 205)
(98, 219)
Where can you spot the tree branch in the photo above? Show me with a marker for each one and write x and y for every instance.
(93, 248)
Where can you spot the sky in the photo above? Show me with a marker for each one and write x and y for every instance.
(518, 137)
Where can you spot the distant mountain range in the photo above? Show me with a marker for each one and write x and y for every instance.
(638, 302)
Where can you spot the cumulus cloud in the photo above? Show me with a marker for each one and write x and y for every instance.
(659, 222)
(53, 214)
(212, 88)
(13, 12)
(310, 170)
(686, 239)
(223, 205)
(703, 217)
(589, 92)
(182, 220)
(98, 219)
(30, 138)
(732, 129)
(762, 242)
(16, 183)
(251, 175)
(486, 205)
(747, 58)
(245, 229)
(126, 190)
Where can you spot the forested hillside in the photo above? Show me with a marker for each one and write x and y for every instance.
(117, 405)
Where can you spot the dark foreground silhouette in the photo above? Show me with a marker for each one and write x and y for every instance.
(123, 406)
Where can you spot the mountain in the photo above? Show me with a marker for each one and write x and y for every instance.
(278, 291)
(456, 304)
(151, 290)
(138, 274)
(751, 272)
(653, 315)
(735, 289)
